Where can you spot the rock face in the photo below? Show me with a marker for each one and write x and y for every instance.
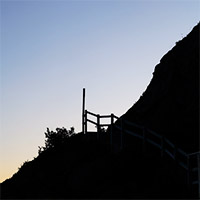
(170, 104)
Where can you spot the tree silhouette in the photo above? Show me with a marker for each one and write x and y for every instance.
(56, 138)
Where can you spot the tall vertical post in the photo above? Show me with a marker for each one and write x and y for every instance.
(85, 127)
(188, 173)
(198, 166)
(162, 146)
(122, 132)
(98, 126)
(111, 131)
(83, 112)
(175, 154)
(144, 140)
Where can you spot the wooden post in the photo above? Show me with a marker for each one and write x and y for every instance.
(83, 112)
(85, 131)
(122, 132)
(144, 140)
(111, 130)
(188, 173)
(198, 166)
(162, 146)
(98, 126)
(175, 154)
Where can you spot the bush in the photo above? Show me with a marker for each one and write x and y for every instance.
(56, 138)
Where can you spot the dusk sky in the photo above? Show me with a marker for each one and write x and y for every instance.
(51, 49)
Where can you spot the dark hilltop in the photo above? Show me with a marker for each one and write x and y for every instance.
(170, 104)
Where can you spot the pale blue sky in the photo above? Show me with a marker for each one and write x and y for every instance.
(50, 50)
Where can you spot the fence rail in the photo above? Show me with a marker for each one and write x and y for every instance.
(164, 144)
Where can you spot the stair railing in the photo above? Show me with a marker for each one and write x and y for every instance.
(147, 135)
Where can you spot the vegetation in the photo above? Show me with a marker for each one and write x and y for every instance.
(56, 138)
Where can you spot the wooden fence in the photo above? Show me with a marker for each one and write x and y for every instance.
(190, 162)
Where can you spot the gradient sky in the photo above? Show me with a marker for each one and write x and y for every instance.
(51, 49)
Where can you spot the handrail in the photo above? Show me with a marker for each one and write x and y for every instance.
(88, 112)
(154, 133)
(115, 117)
(104, 124)
(154, 143)
(118, 127)
(170, 143)
(195, 153)
(170, 154)
(132, 124)
(182, 152)
(105, 116)
(137, 126)
(183, 165)
(134, 134)
(144, 137)
(91, 122)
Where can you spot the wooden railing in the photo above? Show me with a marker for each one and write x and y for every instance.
(187, 161)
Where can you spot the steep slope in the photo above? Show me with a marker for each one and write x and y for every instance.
(170, 104)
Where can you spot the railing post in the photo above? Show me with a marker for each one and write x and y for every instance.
(98, 126)
(122, 132)
(83, 111)
(111, 130)
(144, 140)
(85, 122)
(198, 166)
(175, 153)
(162, 146)
(188, 173)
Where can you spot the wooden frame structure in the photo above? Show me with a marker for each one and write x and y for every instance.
(146, 135)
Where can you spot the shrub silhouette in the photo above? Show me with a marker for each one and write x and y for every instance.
(56, 138)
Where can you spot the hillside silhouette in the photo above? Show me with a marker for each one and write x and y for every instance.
(80, 166)
(170, 104)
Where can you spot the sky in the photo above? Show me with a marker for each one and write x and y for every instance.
(51, 50)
